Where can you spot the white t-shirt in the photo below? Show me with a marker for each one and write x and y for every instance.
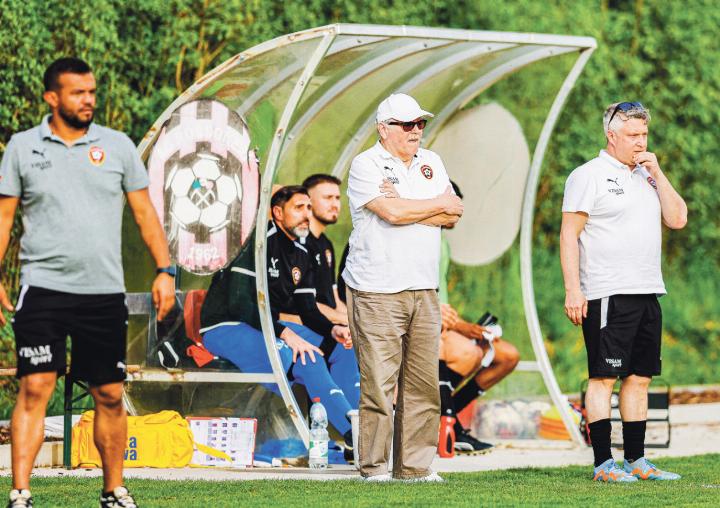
(621, 244)
(384, 258)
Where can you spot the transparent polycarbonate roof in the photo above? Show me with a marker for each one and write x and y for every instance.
(305, 103)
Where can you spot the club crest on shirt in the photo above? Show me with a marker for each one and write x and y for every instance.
(426, 171)
(97, 155)
(296, 274)
(328, 257)
(652, 182)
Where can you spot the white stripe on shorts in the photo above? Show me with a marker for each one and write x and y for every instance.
(603, 311)
(23, 290)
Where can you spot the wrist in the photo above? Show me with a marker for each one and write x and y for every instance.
(168, 270)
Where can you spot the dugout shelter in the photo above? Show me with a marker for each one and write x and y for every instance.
(304, 103)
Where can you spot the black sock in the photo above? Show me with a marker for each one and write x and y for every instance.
(634, 440)
(466, 395)
(447, 406)
(347, 438)
(600, 438)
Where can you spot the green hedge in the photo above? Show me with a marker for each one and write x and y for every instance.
(661, 52)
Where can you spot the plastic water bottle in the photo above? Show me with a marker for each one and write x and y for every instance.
(318, 436)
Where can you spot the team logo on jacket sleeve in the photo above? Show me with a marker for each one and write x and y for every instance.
(328, 257)
(296, 275)
(96, 155)
(426, 171)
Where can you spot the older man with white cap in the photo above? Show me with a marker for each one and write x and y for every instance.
(399, 195)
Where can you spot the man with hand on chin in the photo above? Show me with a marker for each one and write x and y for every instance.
(610, 250)
(392, 275)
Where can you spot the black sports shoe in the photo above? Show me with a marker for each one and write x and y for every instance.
(119, 498)
(465, 443)
(20, 499)
(348, 448)
(347, 438)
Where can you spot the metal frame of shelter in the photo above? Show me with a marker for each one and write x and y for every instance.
(516, 50)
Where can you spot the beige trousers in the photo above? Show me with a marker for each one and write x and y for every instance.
(396, 338)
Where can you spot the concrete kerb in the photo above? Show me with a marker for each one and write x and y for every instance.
(694, 432)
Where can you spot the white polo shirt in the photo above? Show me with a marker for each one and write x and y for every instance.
(384, 258)
(621, 243)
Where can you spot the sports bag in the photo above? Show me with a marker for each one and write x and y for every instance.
(161, 439)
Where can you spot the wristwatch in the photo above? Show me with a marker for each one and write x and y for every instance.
(170, 270)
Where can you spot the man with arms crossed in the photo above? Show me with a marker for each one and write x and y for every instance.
(610, 243)
(392, 278)
(69, 175)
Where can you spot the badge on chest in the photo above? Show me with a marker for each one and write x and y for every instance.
(296, 275)
(96, 155)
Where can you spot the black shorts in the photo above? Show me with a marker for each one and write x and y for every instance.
(97, 325)
(622, 336)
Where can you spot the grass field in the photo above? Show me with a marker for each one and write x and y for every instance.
(700, 486)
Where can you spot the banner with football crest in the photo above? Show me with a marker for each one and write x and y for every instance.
(205, 185)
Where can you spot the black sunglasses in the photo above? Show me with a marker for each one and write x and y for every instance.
(625, 107)
(408, 126)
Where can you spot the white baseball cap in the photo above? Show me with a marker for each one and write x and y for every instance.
(400, 107)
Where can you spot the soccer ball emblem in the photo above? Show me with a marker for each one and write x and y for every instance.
(205, 185)
(202, 195)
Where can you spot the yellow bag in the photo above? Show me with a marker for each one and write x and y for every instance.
(161, 439)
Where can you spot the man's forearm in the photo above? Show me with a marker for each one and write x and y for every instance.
(154, 237)
(8, 207)
(441, 219)
(674, 209)
(333, 315)
(340, 306)
(4, 240)
(400, 211)
(150, 229)
(570, 260)
(465, 328)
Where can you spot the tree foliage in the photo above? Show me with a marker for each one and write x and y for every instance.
(146, 52)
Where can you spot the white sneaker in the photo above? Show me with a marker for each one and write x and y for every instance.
(20, 499)
(378, 478)
(431, 478)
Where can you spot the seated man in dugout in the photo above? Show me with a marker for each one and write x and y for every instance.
(324, 192)
(463, 378)
(230, 321)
